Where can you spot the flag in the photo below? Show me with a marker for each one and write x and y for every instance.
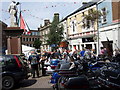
(23, 25)
(109, 49)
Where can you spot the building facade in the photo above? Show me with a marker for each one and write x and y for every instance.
(105, 32)
(78, 36)
(28, 40)
(44, 30)
(109, 26)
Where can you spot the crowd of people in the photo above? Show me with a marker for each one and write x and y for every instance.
(37, 59)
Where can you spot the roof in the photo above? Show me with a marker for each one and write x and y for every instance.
(34, 30)
(89, 4)
(2, 23)
(13, 28)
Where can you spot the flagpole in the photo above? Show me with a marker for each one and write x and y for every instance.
(19, 15)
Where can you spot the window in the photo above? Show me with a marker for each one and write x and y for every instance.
(36, 33)
(90, 11)
(35, 38)
(83, 21)
(23, 39)
(32, 39)
(26, 39)
(9, 60)
(1, 61)
(78, 47)
(21, 60)
(103, 18)
(70, 46)
(87, 39)
(46, 32)
(73, 25)
(29, 39)
(83, 14)
(88, 24)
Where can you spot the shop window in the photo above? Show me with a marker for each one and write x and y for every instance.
(87, 39)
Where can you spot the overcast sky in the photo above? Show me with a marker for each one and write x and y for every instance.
(35, 11)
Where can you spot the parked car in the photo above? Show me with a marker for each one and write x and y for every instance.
(13, 70)
(53, 64)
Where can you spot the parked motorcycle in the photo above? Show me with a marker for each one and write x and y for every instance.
(72, 78)
(81, 76)
(110, 75)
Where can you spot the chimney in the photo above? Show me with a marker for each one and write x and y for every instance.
(56, 16)
(46, 22)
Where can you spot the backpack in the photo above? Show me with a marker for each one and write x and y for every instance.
(87, 54)
(33, 59)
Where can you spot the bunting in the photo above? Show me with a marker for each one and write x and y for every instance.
(47, 7)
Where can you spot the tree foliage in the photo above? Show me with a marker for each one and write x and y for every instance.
(91, 18)
(55, 35)
(37, 43)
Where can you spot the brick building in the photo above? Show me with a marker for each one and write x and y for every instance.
(28, 40)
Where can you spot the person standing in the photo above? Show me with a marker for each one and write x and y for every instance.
(87, 54)
(42, 61)
(33, 58)
(116, 52)
(82, 53)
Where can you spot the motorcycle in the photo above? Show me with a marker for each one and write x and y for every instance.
(110, 76)
(71, 78)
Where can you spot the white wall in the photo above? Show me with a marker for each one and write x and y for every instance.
(113, 34)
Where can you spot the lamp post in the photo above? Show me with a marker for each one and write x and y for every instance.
(98, 51)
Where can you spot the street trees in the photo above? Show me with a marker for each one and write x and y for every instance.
(55, 35)
(37, 43)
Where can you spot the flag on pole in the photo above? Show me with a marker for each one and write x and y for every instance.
(23, 25)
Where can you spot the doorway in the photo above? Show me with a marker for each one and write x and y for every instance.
(109, 46)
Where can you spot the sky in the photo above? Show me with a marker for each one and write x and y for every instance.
(35, 12)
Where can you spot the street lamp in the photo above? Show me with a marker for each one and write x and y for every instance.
(98, 32)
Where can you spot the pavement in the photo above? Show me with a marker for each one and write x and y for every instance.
(40, 83)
